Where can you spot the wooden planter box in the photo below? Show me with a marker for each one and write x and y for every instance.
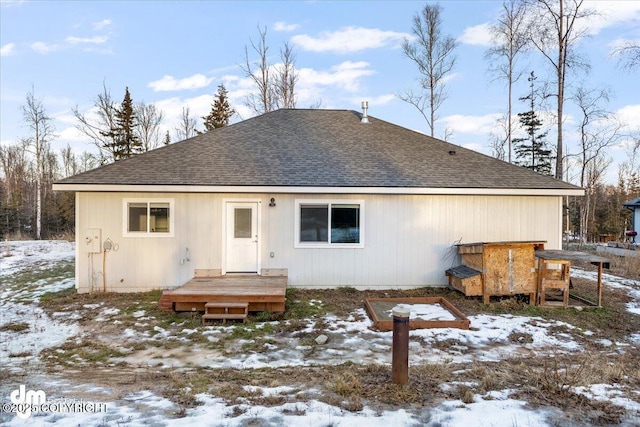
(376, 307)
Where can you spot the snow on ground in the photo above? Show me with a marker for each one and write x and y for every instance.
(19, 349)
(631, 286)
(425, 312)
(492, 337)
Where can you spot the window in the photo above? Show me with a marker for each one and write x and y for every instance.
(323, 223)
(148, 218)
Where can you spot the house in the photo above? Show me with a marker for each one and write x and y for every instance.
(634, 206)
(330, 197)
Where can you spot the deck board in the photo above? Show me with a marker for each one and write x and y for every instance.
(260, 292)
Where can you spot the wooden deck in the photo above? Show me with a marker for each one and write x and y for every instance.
(262, 293)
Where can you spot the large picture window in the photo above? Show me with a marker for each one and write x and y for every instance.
(148, 217)
(322, 223)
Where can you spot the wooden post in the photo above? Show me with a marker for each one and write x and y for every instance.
(600, 284)
(400, 348)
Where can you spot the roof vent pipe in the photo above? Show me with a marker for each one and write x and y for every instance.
(365, 107)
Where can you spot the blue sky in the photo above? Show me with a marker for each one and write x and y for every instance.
(176, 53)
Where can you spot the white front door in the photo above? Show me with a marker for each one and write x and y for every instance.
(242, 237)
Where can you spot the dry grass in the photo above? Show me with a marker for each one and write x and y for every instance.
(541, 380)
(15, 327)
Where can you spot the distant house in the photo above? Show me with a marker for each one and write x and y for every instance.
(634, 205)
(333, 199)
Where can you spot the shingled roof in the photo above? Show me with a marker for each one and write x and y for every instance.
(315, 148)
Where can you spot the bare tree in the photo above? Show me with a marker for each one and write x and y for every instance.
(432, 52)
(285, 79)
(275, 84)
(258, 71)
(599, 130)
(87, 161)
(187, 126)
(15, 169)
(498, 141)
(148, 129)
(98, 123)
(69, 161)
(555, 34)
(510, 40)
(628, 54)
(38, 143)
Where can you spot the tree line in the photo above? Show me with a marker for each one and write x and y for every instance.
(550, 29)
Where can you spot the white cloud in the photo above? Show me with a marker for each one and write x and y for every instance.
(100, 25)
(630, 116)
(71, 134)
(283, 26)
(88, 40)
(8, 49)
(169, 83)
(478, 35)
(345, 75)
(350, 39)
(472, 124)
(611, 14)
(380, 100)
(44, 48)
(475, 147)
(171, 108)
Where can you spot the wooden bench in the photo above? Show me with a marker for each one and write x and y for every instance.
(225, 310)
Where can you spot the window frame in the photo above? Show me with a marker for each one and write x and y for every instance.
(328, 203)
(148, 233)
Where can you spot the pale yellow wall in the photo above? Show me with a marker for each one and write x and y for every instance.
(408, 239)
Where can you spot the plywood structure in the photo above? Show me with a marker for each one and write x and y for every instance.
(504, 269)
(466, 279)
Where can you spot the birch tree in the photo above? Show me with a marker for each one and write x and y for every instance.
(510, 40)
(187, 125)
(149, 121)
(555, 34)
(628, 53)
(38, 144)
(262, 100)
(286, 77)
(599, 130)
(275, 84)
(432, 53)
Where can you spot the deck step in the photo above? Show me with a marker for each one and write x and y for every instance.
(165, 303)
(225, 310)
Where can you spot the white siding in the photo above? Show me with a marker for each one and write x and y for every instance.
(408, 240)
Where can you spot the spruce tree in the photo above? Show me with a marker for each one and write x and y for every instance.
(221, 111)
(124, 141)
(531, 151)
